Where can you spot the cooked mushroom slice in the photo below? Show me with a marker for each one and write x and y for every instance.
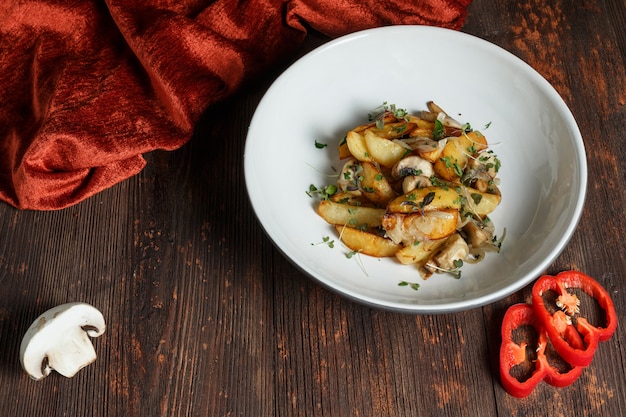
(349, 178)
(58, 340)
(412, 182)
(487, 162)
(453, 250)
(476, 235)
(412, 165)
(435, 112)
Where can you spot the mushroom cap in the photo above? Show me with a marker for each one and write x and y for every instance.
(58, 339)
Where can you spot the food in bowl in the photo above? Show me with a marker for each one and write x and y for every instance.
(419, 187)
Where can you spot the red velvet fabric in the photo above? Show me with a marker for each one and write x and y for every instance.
(88, 86)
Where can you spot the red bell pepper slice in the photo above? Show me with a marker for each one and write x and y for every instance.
(557, 323)
(512, 354)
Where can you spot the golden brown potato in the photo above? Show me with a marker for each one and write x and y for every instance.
(479, 203)
(409, 228)
(356, 144)
(426, 199)
(366, 243)
(394, 130)
(424, 128)
(375, 186)
(382, 150)
(418, 251)
(453, 159)
(344, 151)
(355, 216)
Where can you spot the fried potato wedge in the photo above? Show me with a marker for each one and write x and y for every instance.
(394, 130)
(424, 128)
(409, 228)
(344, 151)
(384, 151)
(374, 184)
(479, 203)
(430, 151)
(426, 199)
(419, 251)
(366, 243)
(357, 146)
(455, 154)
(355, 216)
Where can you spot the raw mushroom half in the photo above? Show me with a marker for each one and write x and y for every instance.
(59, 340)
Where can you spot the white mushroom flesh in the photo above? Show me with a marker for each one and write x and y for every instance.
(413, 182)
(454, 249)
(59, 340)
(412, 165)
(348, 178)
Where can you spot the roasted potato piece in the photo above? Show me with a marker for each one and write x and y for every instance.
(451, 161)
(394, 130)
(422, 123)
(409, 228)
(357, 146)
(352, 198)
(366, 243)
(419, 251)
(344, 151)
(426, 199)
(375, 186)
(382, 150)
(455, 154)
(479, 203)
(355, 216)
(387, 119)
(429, 150)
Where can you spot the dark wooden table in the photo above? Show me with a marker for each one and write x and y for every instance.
(206, 318)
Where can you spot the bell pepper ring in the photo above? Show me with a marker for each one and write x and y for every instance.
(567, 313)
(513, 354)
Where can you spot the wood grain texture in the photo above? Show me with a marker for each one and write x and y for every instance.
(206, 318)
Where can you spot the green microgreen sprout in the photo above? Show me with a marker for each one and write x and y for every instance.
(378, 114)
(413, 285)
(324, 192)
(326, 240)
(456, 271)
(320, 145)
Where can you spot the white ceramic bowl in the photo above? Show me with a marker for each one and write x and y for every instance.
(333, 88)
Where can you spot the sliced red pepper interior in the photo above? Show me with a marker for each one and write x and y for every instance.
(569, 300)
(527, 357)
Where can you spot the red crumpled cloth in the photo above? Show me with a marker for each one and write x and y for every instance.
(88, 86)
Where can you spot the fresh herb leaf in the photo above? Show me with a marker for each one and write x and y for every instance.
(439, 130)
(320, 145)
(325, 192)
(428, 198)
(413, 285)
(325, 241)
